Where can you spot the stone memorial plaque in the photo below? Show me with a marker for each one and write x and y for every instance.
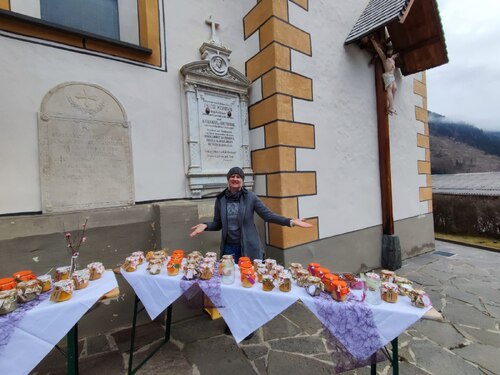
(220, 128)
(85, 151)
(217, 131)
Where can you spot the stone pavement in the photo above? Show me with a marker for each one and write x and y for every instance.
(464, 287)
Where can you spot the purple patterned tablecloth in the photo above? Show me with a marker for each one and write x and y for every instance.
(10, 321)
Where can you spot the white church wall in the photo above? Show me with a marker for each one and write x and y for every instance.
(344, 116)
(150, 97)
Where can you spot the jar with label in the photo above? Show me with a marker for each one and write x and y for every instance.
(45, 282)
(328, 280)
(62, 273)
(261, 271)
(256, 264)
(302, 276)
(314, 286)
(339, 290)
(247, 278)
(294, 267)
(227, 269)
(267, 283)
(8, 295)
(312, 267)
(190, 272)
(173, 267)
(28, 290)
(285, 282)
(270, 264)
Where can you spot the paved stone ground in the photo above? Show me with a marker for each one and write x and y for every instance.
(465, 288)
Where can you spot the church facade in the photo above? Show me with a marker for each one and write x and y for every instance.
(300, 110)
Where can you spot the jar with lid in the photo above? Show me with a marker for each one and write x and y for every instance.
(339, 290)
(8, 295)
(267, 283)
(314, 286)
(247, 278)
(227, 269)
(285, 282)
(45, 282)
(28, 290)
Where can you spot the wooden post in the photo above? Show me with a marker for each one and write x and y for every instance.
(384, 151)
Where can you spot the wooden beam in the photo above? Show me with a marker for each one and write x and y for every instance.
(384, 151)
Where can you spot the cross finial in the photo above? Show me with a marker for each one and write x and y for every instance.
(214, 25)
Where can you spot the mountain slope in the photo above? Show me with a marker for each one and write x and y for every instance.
(457, 147)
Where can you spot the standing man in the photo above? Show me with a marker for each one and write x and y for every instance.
(234, 215)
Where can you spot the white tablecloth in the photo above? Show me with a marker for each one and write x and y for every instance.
(246, 309)
(42, 327)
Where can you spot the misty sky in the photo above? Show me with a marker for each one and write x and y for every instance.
(468, 87)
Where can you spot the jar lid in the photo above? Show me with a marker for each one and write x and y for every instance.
(247, 271)
(7, 283)
(315, 265)
(24, 275)
(339, 283)
(330, 277)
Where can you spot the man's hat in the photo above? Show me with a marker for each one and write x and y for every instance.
(236, 170)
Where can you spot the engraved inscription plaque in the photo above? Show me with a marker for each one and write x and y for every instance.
(219, 117)
(216, 128)
(85, 151)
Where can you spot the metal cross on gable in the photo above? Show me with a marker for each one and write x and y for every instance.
(214, 25)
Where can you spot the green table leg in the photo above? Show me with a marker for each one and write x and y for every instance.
(395, 357)
(72, 354)
(131, 369)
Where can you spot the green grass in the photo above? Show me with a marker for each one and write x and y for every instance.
(490, 243)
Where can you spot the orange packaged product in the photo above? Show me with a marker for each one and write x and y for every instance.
(24, 275)
(328, 280)
(322, 271)
(242, 260)
(7, 283)
(339, 290)
(8, 295)
(247, 278)
(312, 267)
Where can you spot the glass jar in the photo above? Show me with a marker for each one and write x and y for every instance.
(28, 290)
(339, 290)
(62, 273)
(247, 278)
(228, 269)
(285, 282)
(261, 271)
(294, 267)
(302, 276)
(328, 280)
(267, 283)
(154, 266)
(321, 271)
(96, 270)
(312, 267)
(389, 292)
(206, 270)
(8, 295)
(256, 264)
(62, 291)
(45, 282)
(270, 264)
(387, 276)
(314, 286)
(420, 299)
(173, 267)
(81, 278)
(139, 255)
(190, 272)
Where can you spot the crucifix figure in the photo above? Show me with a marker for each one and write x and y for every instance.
(389, 63)
(214, 25)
